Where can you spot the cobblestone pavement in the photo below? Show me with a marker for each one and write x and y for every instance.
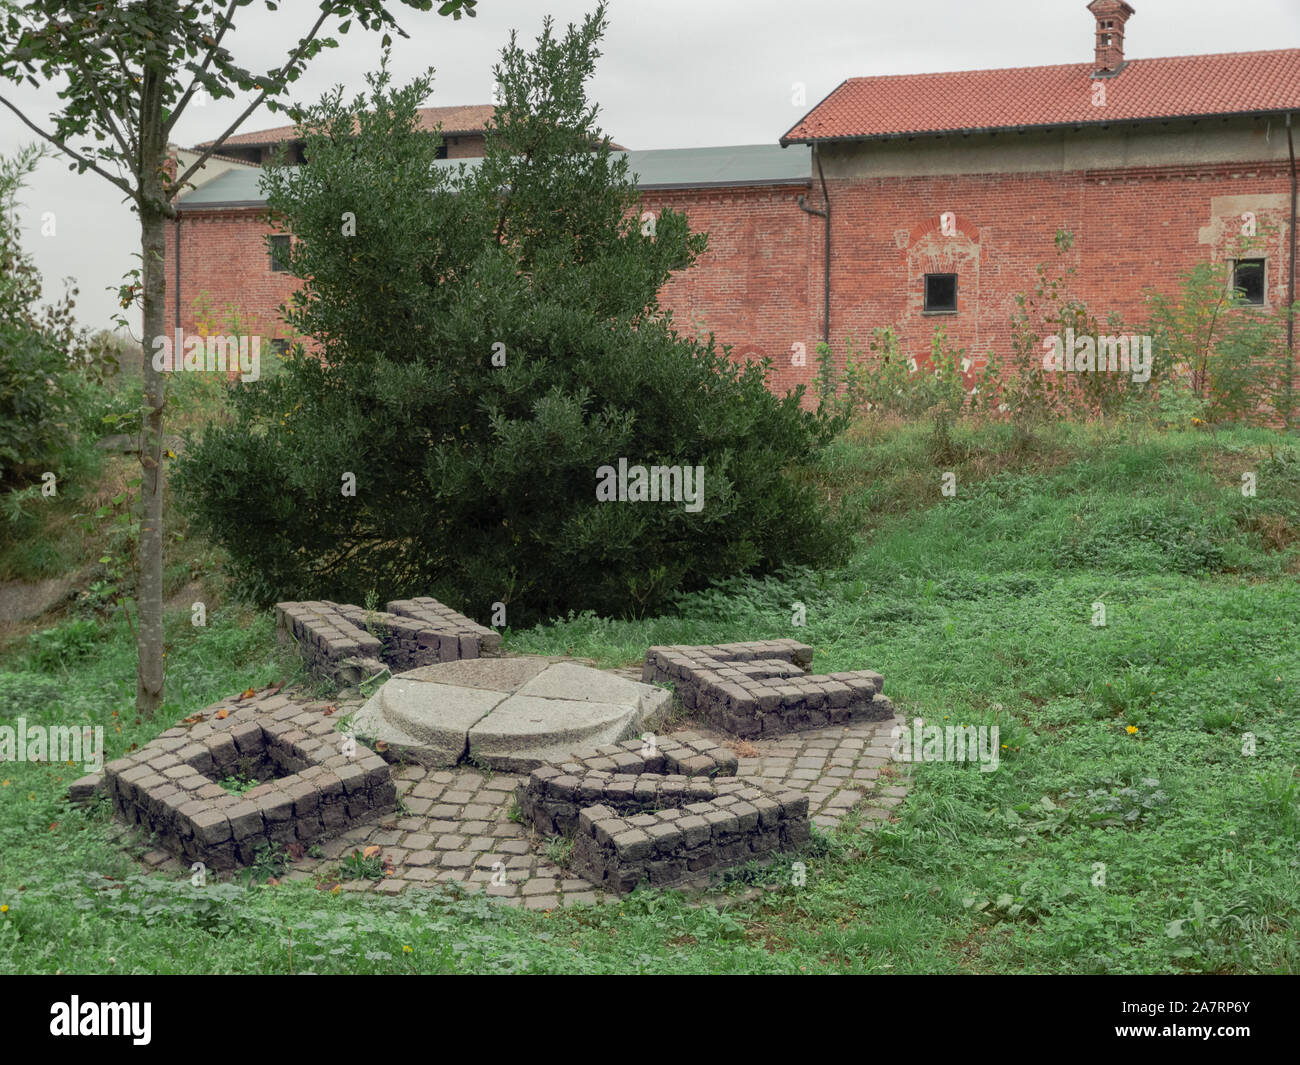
(455, 824)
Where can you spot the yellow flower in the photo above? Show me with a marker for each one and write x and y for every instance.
(1131, 730)
(4, 908)
(406, 950)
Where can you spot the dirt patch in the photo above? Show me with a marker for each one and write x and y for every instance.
(23, 600)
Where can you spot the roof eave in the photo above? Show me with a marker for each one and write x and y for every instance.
(732, 184)
(182, 205)
(812, 141)
(185, 205)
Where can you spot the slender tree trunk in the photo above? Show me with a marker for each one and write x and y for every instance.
(149, 635)
(153, 207)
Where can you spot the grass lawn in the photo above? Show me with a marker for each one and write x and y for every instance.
(1127, 829)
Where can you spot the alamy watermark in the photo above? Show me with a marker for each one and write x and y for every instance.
(651, 484)
(53, 743)
(947, 743)
(77, 1018)
(214, 354)
(1099, 354)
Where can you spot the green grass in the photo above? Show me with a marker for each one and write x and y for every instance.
(976, 608)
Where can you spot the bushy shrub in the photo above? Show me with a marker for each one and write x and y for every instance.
(487, 338)
(887, 380)
(43, 387)
(1230, 357)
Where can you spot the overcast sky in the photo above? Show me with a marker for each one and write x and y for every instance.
(674, 73)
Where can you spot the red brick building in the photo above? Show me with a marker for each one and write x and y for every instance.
(923, 200)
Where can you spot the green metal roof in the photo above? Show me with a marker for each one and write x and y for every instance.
(665, 168)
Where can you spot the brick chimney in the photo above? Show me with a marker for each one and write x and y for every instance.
(1111, 16)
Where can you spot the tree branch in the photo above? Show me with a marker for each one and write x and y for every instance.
(289, 63)
(207, 60)
(88, 164)
(106, 114)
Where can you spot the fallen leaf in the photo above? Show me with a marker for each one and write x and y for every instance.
(222, 714)
(296, 851)
(248, 693)
(371, 851)
(329, 710)
(272, 881)
(193, 719)
(53, 825)
(380, 745)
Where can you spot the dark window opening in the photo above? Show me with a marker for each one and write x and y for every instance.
(940, 292)
(442, 151)
(1248, 280)
(279, 255)
(280, 347)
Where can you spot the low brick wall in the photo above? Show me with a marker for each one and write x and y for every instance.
(458, 636)
(314, 783)
(350, 644)
(668, 846)
(762, 688)
(659, 813)
(629, 777)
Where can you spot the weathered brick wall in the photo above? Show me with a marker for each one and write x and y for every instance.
(1133, 229)
(759, 286)
(753, 286)
(224, 257)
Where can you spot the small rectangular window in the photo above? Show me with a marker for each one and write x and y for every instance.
(1248, 280)
(941, 292)
(279, 347)
(441, 153)
(279, 255)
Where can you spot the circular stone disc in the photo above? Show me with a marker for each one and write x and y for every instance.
(512, 714)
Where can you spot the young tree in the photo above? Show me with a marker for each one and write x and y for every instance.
(489, 340)
(128, 70)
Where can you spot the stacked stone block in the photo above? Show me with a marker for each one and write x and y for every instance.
(659, 813)
(314, 784)
(668, 846)
(764, 689)
(629, 777)
(458, 636)
(350, 644)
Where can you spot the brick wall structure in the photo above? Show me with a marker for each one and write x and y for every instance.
(758, 287)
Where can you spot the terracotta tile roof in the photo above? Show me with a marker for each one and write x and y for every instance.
(1020, 97)
(454, 120)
